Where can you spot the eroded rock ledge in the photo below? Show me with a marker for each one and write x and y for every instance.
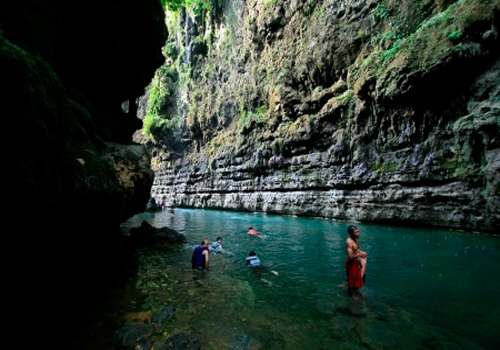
(372, 111)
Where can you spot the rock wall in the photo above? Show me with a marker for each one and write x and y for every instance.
(355, 110)
(71, 172)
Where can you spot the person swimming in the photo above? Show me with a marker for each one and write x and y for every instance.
(258, 269)
(253, 232)
(216, 246)
(252, 259)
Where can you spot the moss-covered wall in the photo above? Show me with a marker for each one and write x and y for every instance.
(383, 93)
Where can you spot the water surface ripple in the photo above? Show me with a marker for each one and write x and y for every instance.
(425, 288)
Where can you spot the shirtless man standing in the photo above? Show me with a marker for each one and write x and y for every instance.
(355, 263)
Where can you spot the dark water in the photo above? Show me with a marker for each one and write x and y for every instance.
(425, 289)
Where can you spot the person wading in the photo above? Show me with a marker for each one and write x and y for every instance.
(201, 256)
(355, 263)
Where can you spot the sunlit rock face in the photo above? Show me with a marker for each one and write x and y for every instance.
(352, 110)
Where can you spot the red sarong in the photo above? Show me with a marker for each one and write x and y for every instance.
(353, 270)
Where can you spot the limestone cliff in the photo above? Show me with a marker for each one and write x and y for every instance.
(377, 111)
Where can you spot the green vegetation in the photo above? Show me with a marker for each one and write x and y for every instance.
(248, 117)
(422, 47)
(162, 117)
(455, 35)
(382, 166)
(449, 163)
(345, 97)
(241, 80)
(197, 5)
(156, 121)
(381, 12)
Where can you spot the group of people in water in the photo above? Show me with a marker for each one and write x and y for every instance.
(200, 259)
(355, 263)
(162, 206)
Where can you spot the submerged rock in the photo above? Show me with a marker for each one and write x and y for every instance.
(146, 234)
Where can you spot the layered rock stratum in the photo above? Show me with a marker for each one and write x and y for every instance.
(372, 111)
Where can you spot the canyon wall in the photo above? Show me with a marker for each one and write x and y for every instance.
(370, 111)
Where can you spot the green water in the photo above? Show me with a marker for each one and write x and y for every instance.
(425, 289)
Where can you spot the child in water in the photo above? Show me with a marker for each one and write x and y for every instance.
(216, 246)
(253, 260)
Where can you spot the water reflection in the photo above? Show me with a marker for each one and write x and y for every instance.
(421, 289)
